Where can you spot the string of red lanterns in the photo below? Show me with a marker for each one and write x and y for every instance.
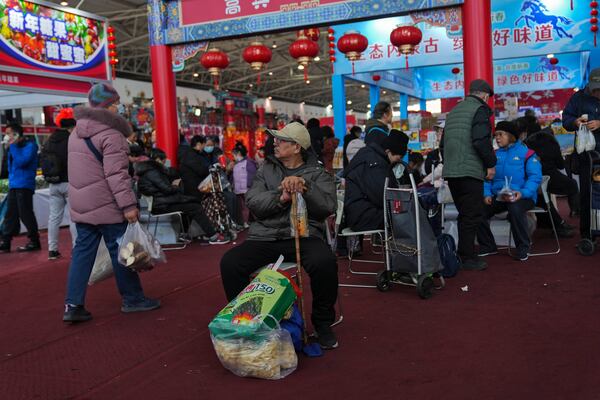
(352, 44)
(214, 60)
(304, 50)
(406, 39)
(112, 51)
(594, 19)
(311, 33)
(257, 55)
(331, 39)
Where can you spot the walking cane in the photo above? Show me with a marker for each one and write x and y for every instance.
(310, 349)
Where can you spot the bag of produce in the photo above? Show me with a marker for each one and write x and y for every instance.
(138, 249)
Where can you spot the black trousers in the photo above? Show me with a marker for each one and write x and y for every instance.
(192, 210)
(317, 260)
(517, 215)
(563, 185)
(467, 194)
(20, 208)
(543, 221)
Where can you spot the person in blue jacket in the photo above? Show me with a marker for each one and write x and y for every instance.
(524, 170)
(22, 166)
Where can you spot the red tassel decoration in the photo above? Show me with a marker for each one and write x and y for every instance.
(406, 58)
(305, 73)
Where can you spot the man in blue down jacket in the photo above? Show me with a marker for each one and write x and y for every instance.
(524, 171)
(22, 166)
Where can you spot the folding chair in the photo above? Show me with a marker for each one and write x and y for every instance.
(179, 214)
(539, 210)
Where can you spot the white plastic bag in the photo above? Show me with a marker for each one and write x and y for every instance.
(444, 196)
(138, 249)
(206, 186)
(103, 268)
(299, 217)
(585, 140)
(506, 194)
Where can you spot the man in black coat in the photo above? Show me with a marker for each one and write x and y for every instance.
(365, 180)
(55, 169)
(192, 166)
(162, 184)
(316, 136)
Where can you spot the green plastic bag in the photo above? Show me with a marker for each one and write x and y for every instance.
(270, 293)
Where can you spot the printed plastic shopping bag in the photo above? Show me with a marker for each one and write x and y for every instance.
(139, 250)
(299, 217)
(103, 268)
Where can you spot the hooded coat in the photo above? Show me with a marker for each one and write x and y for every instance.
(99, 192)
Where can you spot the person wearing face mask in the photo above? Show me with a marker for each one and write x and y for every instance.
(469, 159)
(365, 180)
(102, 201)
(163, 185)
(244, 171)
(378, 127)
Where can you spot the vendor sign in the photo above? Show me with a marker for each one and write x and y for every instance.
(42, 38)
(520, 28)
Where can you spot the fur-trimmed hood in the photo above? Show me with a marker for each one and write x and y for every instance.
(91, 121)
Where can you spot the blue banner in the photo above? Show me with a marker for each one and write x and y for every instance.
(520, 28)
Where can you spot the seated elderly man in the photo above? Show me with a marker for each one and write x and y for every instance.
(292, 169)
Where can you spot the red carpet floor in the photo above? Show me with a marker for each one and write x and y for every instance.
(521, 331)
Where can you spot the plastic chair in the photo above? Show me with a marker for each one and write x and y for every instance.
(539, 210)
(179, 214)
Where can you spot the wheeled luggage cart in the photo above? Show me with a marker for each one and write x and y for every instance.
(589, 162)
(411, 249)
(215, 207)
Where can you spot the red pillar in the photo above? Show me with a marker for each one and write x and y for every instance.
(477, 42)
(165, 101)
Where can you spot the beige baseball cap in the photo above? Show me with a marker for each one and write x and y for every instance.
(293, 132)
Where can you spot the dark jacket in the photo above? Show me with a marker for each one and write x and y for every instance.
(433, 159)
(547, 149)
(316, 140)
(155, 181)
(273, 218)
(468, 149)
(22, 164)
(365, 181)
(58, 143)
(193, 169)
(581, 103)
(376, 131)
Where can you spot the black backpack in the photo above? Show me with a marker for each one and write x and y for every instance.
(51, 165)
(448, 255)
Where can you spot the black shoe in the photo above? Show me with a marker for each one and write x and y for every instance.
(54, 255)
(483, 252)
(326, 338)
(564, 225)
(31, 246)
(474, 265)
(4, 247)
(76, 314)
(522, 256)
(145, 305)
(564, 233)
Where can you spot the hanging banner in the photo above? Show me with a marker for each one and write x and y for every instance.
(44, 39)
(512, 75)
(198, 20)
(520, 28)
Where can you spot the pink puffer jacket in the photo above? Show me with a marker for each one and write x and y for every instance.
(99, 193)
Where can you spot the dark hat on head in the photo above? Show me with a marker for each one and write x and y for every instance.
(102, 95)
(509, 127)
(396, 142)
(479, 85)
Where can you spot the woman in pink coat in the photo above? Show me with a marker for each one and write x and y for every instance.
(102, 201)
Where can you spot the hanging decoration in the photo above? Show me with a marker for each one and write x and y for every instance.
(112, 51)
(311, 33)
(214, 60)
(304, 51)
(406, 38)
(376, 78)
(352, 44)
(455, 70)
(257, 55)
(594, 19)
(331, 39)
(553, 61)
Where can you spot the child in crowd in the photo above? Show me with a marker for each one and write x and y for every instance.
(513, 189)
(244, 171)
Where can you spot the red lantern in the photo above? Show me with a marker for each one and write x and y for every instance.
(304, 50)
(455, 70)
(214, 60)
(594, 4)
(257, 55)
(554, 61)
(352, 44)
(112, 47)
(331, 39)
(112, 54)
(376, 78)
(110, 30)
(311, 33)
(406, 38)
(594, 19)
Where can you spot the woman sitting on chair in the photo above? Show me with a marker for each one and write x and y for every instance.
(520, 169)
(162, 184)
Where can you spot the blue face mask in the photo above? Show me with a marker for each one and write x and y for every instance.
(209, 149)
